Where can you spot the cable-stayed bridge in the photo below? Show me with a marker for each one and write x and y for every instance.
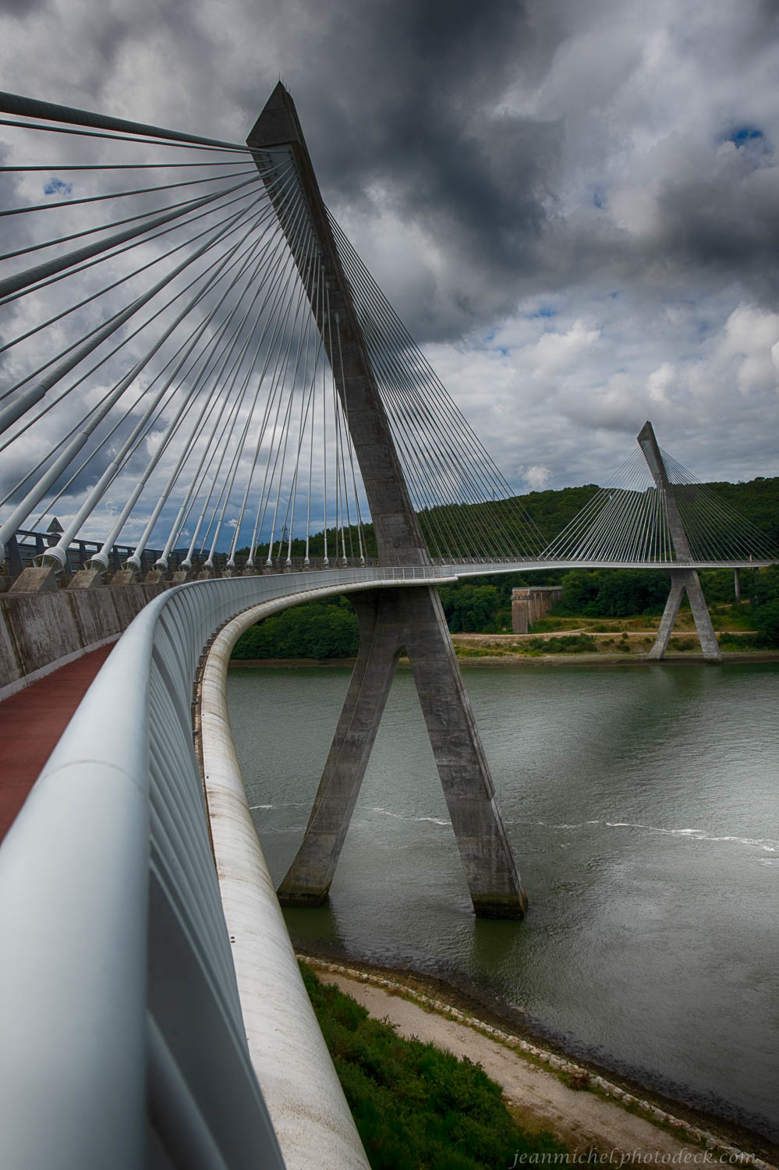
(199, 370)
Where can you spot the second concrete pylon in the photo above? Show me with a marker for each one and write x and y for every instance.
(393, 620)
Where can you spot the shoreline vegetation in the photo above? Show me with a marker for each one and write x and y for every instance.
(556, 1100)
(608, 615)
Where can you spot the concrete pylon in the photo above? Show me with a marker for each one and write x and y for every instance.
(409, 618)
(682, 580)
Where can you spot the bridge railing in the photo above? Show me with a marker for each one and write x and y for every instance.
(120, 980)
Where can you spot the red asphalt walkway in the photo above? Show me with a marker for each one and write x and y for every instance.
(32, 721)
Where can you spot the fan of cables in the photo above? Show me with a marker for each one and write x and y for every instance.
(164, 376)
(466, 507)
(628, 521)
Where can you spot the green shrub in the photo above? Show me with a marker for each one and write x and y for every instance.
(564, 644)
(739, 641)
(416, 1107)
(317, 629)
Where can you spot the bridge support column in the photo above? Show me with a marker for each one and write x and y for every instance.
(681, 580)
(391, 620)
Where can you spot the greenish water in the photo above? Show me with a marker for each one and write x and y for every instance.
(641, 802)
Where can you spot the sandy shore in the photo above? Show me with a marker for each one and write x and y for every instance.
(544, 1090)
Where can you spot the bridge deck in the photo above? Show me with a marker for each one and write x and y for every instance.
(32, 721)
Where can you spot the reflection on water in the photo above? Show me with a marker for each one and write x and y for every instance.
(641, 802)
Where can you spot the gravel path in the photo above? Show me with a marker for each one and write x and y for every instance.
(582, 1118)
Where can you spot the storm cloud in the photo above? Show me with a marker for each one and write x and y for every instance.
(574, 207)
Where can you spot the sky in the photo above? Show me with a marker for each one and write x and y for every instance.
(573, 206)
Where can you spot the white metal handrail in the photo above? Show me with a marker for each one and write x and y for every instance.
(118, 976)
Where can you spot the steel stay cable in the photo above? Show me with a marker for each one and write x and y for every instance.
(580, 523)
(233, 256)
(233, 224)
(297, 289)
(277, 319)
(235, 217)
(241, 397)
(282, 291)
(59, 551)
(200, 145)
(250, 371)
(304, 409)
(34, 394)
(21, 106)
(174, 424)
(721, 509)
(306, 234)
(451, 411)
(406, 344)
(30, 276)
(402, 376)
(185, 220)
(223, 266)
(212, 449)
(445, 460)
(410, 464)
(179, 519)
(350, 449)
(54, 206)
(327, 319)
(610, 521)
(150, 214)
(320, 361)
(613, 542)
(158, 166)
(282, 450)
(188, 499)
(437, 508)
(78, 423)
(276, 396)
(108, 288)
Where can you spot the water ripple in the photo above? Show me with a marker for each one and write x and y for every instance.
(767, 844)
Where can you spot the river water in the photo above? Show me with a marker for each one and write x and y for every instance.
(641, 801)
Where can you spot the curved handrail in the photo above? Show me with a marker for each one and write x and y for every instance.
(122, 974)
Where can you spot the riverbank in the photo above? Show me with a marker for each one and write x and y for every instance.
(546, 1090)
(508, 658)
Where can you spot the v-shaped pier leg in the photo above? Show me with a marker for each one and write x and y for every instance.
(681, 580)
(389, 621)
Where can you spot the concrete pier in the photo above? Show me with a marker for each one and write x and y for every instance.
(687, 580)
(530, 603)
(392, 621)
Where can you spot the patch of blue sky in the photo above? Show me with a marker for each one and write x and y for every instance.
(742, 135)
(544, 310)
(57, 186)
(599, 198)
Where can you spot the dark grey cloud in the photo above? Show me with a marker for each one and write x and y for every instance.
(401, 105)
(573, 205)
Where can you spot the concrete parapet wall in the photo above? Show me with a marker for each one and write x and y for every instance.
(42, 631)
(529, 604)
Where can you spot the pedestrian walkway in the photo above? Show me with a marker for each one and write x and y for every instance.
(32, 721)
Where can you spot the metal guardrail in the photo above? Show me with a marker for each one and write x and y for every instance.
(118, 978)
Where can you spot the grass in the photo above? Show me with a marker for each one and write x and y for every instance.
(415, 1106)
